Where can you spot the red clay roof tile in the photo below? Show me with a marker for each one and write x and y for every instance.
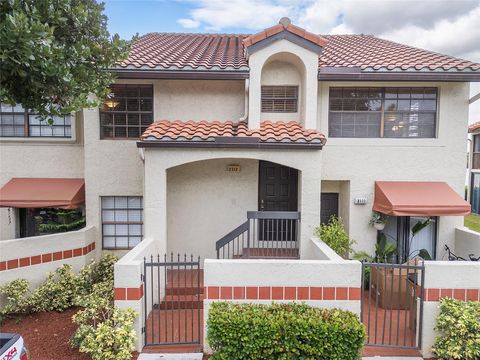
(291, 132)
(225, 52)
(474, 127)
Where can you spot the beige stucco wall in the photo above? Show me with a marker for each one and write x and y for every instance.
(305, 61)
(444, 275)
(467, 242)
(205, 202)
(35, 158)
(157, 161)
(280, 73)
(112, 167)
(210, 100)
(363, 161)
(33, 246)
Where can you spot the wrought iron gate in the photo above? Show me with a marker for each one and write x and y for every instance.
(173, 300)
(392, 304)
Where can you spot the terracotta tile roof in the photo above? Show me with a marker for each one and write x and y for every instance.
(269, 132)
(168, 51)
(187, 51)
(373, 53)
(284, 25)
(474, 127)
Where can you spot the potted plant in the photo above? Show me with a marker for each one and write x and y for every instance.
(378, 220)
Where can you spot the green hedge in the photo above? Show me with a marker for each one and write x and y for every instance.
(283, 331)
(459, 325)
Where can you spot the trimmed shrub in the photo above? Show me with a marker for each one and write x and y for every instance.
(334, 235)
(283, 331)
(57, 292)
(16, 295)
(459, 324)
(104, 331)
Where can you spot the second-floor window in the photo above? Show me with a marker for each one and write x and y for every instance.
(127, 112)
(280, 99)
(15, 121)
(476, 152)
(369, 112)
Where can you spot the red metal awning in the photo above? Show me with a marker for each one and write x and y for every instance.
(43, 192)
(418, 198)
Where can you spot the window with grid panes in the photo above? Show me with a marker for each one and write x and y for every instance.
(122, 221)
(279, 99)
(15, 121)
(383, 112)
(127, 112)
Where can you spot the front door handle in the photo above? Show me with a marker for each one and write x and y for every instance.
(262, 205)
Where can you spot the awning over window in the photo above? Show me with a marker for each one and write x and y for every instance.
(417, 198)
(42, 192)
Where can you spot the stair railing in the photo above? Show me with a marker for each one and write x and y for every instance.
(231, 245)
(265, 234)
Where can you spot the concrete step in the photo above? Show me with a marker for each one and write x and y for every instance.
(182, 302)
(170, 290)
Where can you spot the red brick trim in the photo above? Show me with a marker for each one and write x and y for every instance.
(434, 294)
(128, 293)
(300, 293)
(45, 258)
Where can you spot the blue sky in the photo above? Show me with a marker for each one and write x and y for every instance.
(129, 17)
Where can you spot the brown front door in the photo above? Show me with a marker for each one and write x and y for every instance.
(277, 187)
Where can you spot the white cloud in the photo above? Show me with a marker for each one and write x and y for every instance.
(444, 26)
(189, 23)
(217, 15)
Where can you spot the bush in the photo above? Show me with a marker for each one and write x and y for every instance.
(459, 323)
(105, 332)
(57, 292)
(283, 331)
(62, 288)
(334, 235)
(16, 295)
(94, 273)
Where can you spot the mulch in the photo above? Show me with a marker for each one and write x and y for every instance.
(46, 335)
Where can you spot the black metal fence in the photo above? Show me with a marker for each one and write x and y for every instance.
(265, 234)
(173, 300)
(392, 304)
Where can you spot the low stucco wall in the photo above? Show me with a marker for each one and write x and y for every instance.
(32, 257)
(128, 283)
(467, 242)
(320, 283)
(318, 250)
(453, 279)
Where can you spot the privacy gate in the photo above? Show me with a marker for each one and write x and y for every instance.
(173, 301)
(392, 304)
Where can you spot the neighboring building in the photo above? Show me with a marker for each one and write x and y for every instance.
(202, 128)
(474, 167)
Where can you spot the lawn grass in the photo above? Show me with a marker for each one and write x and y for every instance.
(472, 221)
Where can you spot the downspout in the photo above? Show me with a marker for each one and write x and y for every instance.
(470, 165)
(141, 154)
(245, 111)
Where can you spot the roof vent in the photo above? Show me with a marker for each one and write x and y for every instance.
(285, 21)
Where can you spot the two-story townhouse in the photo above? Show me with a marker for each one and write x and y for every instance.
(202, 129)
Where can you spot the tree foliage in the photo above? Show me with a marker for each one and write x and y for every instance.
(55, 53)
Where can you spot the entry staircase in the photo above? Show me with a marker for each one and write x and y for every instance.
(184, 290)
(265, 234)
